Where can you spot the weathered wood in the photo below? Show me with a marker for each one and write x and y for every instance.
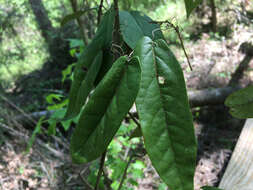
(196, 98)
(210, 96)
(239, 173)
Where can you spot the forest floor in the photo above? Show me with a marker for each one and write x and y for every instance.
(214, 60)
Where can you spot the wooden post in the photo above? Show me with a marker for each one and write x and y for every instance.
(239, 173)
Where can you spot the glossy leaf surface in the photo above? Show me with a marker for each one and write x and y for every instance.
(105, 28)
(241, 103)
(84, 87)
(101, 40)
(165, 116)
(106, 65)
(134, 26)
(190, 5)
(107, 107)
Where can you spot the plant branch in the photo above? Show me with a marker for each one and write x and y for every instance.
(79, 21)
(102, 161)
(19, 109)
(176, 28)
(125, 171)
(100, 11)
(134, 119)
(116, 31)
(107, 180)
(86, 183)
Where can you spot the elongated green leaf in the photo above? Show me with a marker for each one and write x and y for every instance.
(107, 107)
(210, 188)
(105, 28)
(101, 40)
(190, 5)
(165, 116)
(241, 103)
(134, 26)
(84, 87)
(106, 65)
(149, 29)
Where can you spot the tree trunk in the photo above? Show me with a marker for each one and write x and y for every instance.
(42, 19)
(57, 47)
(214, 18)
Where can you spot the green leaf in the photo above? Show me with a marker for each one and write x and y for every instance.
(74, 43)
(190, 5)
(210, 188)
(105, 28)
(50, 98)
(67, 72)
(107, 107)
(134, 26)
(52, 127)
(162, 186)
(165, 116)
(34, 134)
(84, 86)
(66, 124)
(106, 65)
(149, 29)
(58, 106)
(101, 40)
(55, 117)
(138, 165)
(241, 103)
(117, 169)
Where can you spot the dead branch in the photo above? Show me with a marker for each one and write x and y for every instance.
(210, 96)
(197, 98)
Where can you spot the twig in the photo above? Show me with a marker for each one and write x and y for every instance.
(60, 141)
(107, 180)
(14, 132)
(134, 119)
(18, 109)
(116, 31)
(125, 171)
(100, 11)
(176, 28)
(86, 183)
(79, 21)
(102, 161)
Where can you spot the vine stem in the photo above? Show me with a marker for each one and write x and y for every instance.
(100, 11)
(134, 119)
(125, 171)
(116, 31)
(179, 36)
(102, 161)
(79, 21)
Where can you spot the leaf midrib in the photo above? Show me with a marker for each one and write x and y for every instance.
(163, 108)
(98, 123)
